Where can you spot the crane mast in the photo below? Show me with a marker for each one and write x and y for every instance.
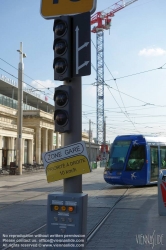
(102, 20)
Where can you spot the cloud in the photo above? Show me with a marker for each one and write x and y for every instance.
(115, 72)
(43, 85)
(90, 92)
(152, 52)
(42, 89)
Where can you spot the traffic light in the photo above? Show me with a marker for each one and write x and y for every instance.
(62, 114)
(62, 48)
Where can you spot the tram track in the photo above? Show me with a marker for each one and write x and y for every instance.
(104, 218)
(95, 228)
(89, 235)
(41, 229)
(31, 233)
(35, 196)
(28, 187)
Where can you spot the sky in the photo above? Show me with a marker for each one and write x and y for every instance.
(134, 55)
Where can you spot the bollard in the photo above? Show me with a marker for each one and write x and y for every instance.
(162, 193)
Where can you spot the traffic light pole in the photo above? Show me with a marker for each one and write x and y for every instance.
(74, 184)
(71, 61)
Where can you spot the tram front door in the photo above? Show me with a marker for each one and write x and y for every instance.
(154, 163)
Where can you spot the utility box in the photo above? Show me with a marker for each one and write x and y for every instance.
(162, 193)
(67, 220)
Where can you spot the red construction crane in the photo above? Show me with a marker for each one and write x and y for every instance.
(102, 20)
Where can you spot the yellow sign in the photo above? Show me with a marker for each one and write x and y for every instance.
(53, 8)
(67, 168)
(66, 162)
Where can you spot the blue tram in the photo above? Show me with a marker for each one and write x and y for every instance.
(135, 160)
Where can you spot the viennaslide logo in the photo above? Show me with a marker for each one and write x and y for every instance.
(150, 239)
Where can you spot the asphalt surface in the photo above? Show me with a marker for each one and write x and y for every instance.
(133, 222)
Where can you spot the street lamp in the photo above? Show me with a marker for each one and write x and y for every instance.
(104, 143)
(90, 158)
(105, 130)
(20, 110)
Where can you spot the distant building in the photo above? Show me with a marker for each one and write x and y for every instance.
(38, 125)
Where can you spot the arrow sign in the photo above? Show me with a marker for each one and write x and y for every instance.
(81, 45)
(82, 65)
(77, 51)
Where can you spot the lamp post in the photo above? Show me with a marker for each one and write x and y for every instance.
(105, 130)
(90, 158)
(20, 111)
(104, 148)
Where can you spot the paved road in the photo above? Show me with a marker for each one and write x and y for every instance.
(23, 209)
(23, 200)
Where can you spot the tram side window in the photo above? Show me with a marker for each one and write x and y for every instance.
(163, 157)
(136, 158)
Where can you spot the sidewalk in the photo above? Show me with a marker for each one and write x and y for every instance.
(7, 180)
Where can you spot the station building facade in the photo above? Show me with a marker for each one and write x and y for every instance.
(38, 126)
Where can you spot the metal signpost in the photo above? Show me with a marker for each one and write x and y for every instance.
(67, 211)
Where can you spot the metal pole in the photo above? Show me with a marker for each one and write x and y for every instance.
(105, 131)
(100, 86)
(57, 140)
(74, 184)
(90, 142)
(104, 149)
(19, 159)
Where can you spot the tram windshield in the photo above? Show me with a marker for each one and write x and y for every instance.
(118, 154)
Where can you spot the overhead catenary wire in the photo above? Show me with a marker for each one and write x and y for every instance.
(105, 83)
(83, 84)
(142, 72)
(127, 116)
(125, 113)
(145, 103)
(121, 98)
(25, 75)
(35, 89)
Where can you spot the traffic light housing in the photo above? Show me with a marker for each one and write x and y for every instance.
(62, 48)
(62, 114)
